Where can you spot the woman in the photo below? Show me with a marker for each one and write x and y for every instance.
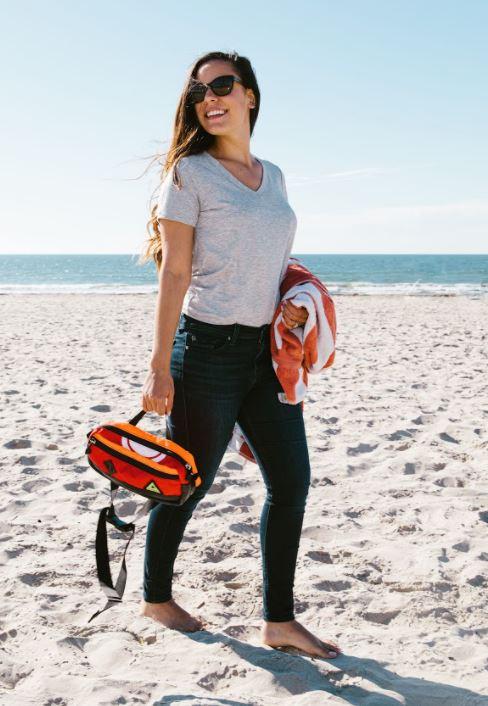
(223, 231)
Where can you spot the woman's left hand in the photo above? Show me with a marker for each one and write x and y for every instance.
(293, 316)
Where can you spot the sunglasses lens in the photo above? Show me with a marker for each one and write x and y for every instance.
(196, 95)
(221, 86)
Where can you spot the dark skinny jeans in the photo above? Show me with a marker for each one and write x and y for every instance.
(223, 374)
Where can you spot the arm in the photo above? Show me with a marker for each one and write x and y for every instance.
(174, 278)
(177, 213)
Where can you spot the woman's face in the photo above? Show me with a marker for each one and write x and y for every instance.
(236, 104)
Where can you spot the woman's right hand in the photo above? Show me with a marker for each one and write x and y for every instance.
(158, 392)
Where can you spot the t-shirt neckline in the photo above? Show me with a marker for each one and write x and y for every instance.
(238, 181)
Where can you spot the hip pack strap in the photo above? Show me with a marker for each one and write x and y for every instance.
(107, 514)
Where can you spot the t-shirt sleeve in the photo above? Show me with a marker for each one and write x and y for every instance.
(178, 203)
(284, 185)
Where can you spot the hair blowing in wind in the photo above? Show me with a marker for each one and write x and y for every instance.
(189, 137)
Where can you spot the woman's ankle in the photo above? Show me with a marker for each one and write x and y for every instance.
(158, 601)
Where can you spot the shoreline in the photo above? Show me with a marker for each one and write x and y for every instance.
(460, 295)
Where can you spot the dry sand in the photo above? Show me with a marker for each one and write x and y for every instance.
(393, 558)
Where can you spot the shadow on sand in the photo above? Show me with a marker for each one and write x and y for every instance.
(298, 674)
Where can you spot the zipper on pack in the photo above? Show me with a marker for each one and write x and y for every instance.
(150, 444)
(134, 462)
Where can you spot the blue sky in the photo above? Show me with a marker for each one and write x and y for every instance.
(376, 112)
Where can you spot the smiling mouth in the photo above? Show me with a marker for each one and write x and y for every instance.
(216, 116)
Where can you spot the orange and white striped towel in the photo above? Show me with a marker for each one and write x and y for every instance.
(298, 352)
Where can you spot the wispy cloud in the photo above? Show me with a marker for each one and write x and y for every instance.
(297, 179)
(464, 211)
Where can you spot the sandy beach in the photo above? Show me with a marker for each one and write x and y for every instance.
(393, 560)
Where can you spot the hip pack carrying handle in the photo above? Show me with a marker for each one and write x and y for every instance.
(135, 420)
(107, 514)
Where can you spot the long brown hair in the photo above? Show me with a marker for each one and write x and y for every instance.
(189, 137)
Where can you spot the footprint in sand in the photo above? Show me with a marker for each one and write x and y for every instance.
(437, 612)
(401, 434)
(478, 581)
(246, 500)
(18, 444)
(360, 449)
(211, 681)
(318, 482)
(447, 437)
(11, 674)
(243, 632)
(368, 576)
(31, 485)
(30, 471)
(224, 575)
(421, 419)
(407, 529)
(4, 636)
(101, 408)
(323, 557)
(450, 482)
(29, 460)
(79, 485)
(333, 586)
(36, 579)
(232, 465)
(65, 461)
(56, 701)
(216, 488)
(382, 618)
(215, 554)
(244, 528)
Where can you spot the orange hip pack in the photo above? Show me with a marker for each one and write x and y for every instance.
(157, 468)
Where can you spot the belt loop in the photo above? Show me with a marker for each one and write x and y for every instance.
(235, 333)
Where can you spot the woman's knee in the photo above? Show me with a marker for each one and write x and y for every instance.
(290, 493)
(198, 494)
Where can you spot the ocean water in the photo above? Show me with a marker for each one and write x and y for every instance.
(342, 274)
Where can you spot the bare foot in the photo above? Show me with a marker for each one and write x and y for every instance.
(292, 634)
(172, 615)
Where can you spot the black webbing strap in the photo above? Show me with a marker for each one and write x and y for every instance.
(137, 418)
(114, 593)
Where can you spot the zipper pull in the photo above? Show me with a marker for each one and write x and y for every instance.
(91, 441)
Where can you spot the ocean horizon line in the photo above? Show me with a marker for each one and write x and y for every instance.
(335, 254)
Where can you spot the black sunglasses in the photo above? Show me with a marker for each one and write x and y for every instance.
(221, 86)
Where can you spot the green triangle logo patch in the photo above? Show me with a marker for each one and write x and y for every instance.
(153, 487)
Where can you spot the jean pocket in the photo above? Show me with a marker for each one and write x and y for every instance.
(206, 340)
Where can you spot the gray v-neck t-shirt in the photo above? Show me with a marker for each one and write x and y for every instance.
(242, 242)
